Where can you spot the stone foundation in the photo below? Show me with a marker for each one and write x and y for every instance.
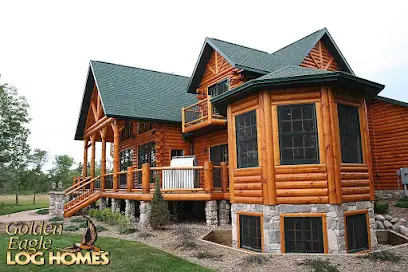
(130, 210)
(56, 204)
(211, 214)
(224, 210)
(334, 221)
(115, 205)
(145, 210)
(102, 203)
(388, 194)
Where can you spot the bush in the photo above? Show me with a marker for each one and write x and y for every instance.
(145, 235)
(100, 228)
(382, 256)
(160, 215)
(42, 211)
(83, 224)
(318, 265)
(380, 208)
(255, 259)
(77, 220)
(207, 255)
(127, 230)
(403, 202)
(71, 228)
(56, 219)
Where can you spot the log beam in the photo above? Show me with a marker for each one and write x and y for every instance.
(116, 136)
(85, 165)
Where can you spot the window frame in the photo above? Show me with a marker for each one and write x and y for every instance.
(367, 217)
(139, 132)
(282, 134)
(227, 79)
(360, 134)
(236, 147)
(324, 228)
(176, 149)
(261, 226)
(127, 132)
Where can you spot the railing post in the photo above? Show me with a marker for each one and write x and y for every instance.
(129, 179)
(224, 176)
(183, 119)
(208, 176)
(146, 178)
(74, 180)
(209, 109)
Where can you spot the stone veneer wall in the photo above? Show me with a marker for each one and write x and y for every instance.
(388, 194)
(334, 218)
(56, 204)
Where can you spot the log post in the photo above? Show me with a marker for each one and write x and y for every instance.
(208, 176)
(129, 179)
(103, 158)
(183, 120)
(209, 109)
(74, 180)
(93, 151)
(85, 166)
(224, 176)
(146, 178)
(116, 136)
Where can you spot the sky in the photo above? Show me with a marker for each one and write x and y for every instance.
(45, 46)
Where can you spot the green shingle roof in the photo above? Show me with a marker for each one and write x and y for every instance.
(134, 93)
(262, 62)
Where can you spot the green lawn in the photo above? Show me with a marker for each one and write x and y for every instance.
(123, 255)
(7, 203)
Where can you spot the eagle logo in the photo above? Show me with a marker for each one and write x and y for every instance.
(88, 239)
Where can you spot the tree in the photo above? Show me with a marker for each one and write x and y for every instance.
(160, 214)
(14, 148)
(62, 169)
(38, 179)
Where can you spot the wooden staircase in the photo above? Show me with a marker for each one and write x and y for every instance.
(80, 195)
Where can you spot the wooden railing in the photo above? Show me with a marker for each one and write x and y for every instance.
(78, 193)
(200, 112)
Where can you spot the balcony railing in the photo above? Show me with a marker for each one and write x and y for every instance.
(201, 114)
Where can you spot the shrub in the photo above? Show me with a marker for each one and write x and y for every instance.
(100, 228)
(145, 235)
(127, 230)
(207, 255)
(319, 265)
(71, 228)
(380, 208)
(42, 211)
(56, 219)
(186, 244)
(83, 224)
(255, 259)
(183, 232)
(160, 215)
(403, 202)
(382, 256)
(77, 220)
(122, 221)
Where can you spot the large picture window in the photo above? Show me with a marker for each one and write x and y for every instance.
(350, 138)
(247, 145)
(298, 134)
(218, 88)
(303, 235)
(250, 232)
(357, 236)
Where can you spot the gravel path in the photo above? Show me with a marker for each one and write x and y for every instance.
(30, 215)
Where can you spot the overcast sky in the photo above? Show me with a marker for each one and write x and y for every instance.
(46, 46)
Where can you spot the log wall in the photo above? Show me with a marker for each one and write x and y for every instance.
(388, 124)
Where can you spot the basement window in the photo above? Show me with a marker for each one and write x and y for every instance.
(303, 235)
(357, 233)
(218, 88)
(247, 145)
(250, 232)
(350, 138)
(298, 134)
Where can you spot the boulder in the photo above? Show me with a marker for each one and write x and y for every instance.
(387, 224)
(402, 220)
(394, 220)
(379, 224)
(388, 217)
(379, 217)
(396, 226)
(403, 230)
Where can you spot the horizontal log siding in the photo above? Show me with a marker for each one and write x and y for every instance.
(388, 124)
(355, 183)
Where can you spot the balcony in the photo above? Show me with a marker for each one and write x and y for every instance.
(201, 117)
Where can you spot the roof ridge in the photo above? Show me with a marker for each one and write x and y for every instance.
(239, 45)
(325, 29)
(133, 67)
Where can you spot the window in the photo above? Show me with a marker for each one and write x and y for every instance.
(176, 152)
(303, 235)
(350, 138)
(126, 159)
(143, 127)
(127, 131)
(247, 145)
(250, 232)
(218, 154)
(298, 134)
(146, 153)
(357, 236)
(218, 88)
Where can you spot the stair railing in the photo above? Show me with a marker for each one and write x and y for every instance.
(76, 195)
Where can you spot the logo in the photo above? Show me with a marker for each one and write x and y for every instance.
(40, 252)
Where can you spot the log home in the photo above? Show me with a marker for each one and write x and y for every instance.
(287, 146)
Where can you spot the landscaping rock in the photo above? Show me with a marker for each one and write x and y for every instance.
(387, 224)
(394, 220)
(396, 226)
(403, 230)
(379, 224)
(379, 217)
(388, 217)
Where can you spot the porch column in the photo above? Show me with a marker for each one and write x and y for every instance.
(116, 136)
(103, 158)
(85, 166)
(92, 185)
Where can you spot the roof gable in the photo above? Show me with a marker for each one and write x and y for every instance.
(320, 58)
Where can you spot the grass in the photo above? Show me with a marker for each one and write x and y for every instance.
(124, 256)
(402, 202)
(319, 265)
(8, 206)
(382, 256)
